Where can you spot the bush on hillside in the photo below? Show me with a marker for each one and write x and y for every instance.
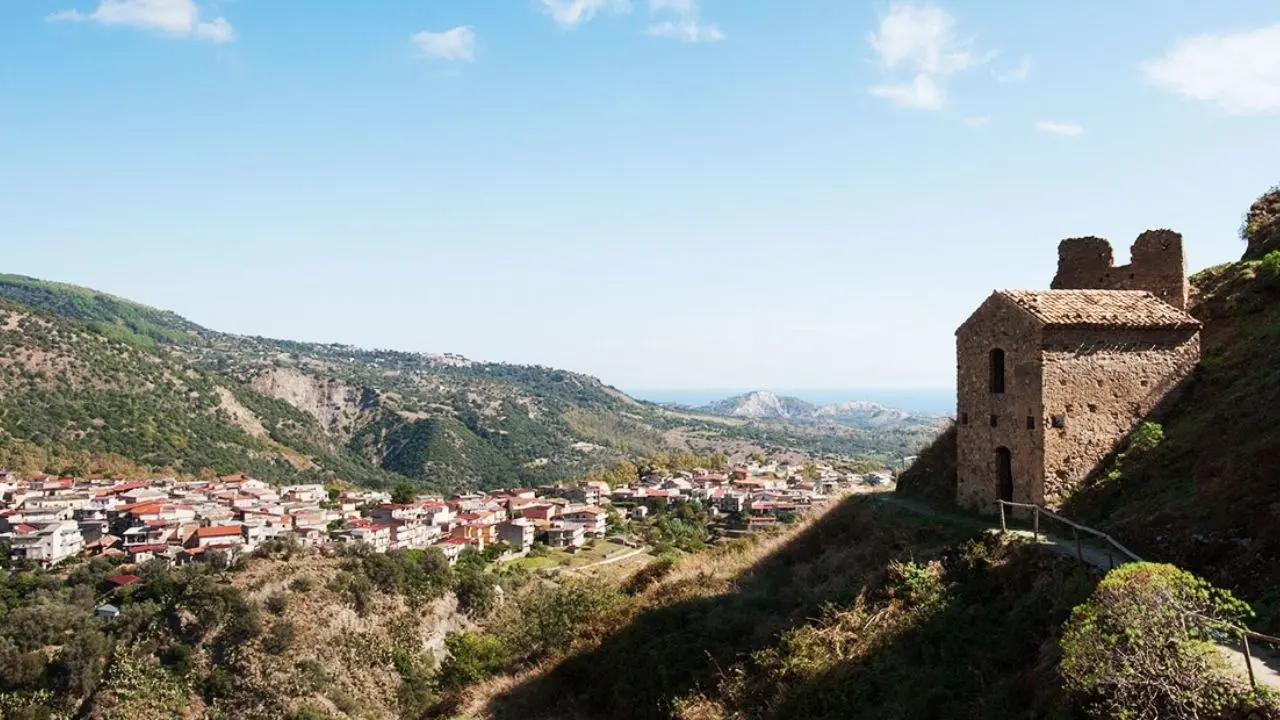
(1146, 436)
(646, 576)
(472, 658)
(1143, 646)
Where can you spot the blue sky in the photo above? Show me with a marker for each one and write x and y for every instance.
(675, 194)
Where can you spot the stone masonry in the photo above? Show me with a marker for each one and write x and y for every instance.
(1049, 382)
(1156, 265)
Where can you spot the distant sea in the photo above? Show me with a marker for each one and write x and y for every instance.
(939, 401)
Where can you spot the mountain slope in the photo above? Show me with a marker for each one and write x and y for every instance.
(74, 398)
(115, 317)
(443, 420)
(765, 405)
(762, 404)
(869, 611)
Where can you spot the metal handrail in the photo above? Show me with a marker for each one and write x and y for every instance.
(1077, 527)
(1243, 633)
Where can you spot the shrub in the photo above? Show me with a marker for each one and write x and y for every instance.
(1269, 268)
(277, 602)
(280, 638)
(476, 596)
(312, 673)
(1146, 436)
(550, 620)
(1142, 646)
(310, 711)
(650, 574)
(472, 658)
(301, 584)
(916, 583)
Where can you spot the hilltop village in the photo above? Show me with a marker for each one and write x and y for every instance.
(46, 520)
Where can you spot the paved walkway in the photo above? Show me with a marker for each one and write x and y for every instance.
(1266, 661)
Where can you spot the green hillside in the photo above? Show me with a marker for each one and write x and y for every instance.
(73, 397)
(442, 420)
(114, 317)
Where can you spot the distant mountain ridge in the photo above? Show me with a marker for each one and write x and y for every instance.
(763, 405)
(97, 382)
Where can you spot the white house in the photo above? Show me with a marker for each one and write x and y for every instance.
(594, 520)
(48, 545)
(567, 535)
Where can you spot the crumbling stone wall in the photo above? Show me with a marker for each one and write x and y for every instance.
(1157, 264)
(997, 324)
(1101, 386)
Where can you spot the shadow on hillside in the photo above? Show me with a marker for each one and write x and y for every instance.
(932, 477)
(1206, 498)
(688, 647)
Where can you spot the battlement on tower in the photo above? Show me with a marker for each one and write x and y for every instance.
(1156, 264)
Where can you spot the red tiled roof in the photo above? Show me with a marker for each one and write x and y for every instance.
(218, 531)
(1099, 308)
(122, 580)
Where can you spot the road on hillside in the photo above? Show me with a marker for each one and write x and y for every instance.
(1266, 662)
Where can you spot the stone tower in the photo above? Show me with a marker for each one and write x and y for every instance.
(1050, 381)
(1156, 264)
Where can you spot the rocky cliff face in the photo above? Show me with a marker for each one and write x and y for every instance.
(763, 404)
(1262, 226)
(336, 405)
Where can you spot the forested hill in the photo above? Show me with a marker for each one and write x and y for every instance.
(275, 407)
(74, 398)
(235, 403)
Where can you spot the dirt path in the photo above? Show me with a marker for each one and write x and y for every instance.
(1266, 661)
(614, 559)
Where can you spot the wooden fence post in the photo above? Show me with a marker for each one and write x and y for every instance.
(1035, 523)
(1079, 550)
(1248, 659)
(1003, 527)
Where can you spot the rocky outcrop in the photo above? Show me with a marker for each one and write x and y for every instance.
(763, 404)
(336, 405)
(1262, 226)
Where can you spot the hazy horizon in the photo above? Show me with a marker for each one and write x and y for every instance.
(939, 401)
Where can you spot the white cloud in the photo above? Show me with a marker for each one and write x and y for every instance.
(687, 25)
(179, 18)
(921, 38)
(572, 13)
(1016, 75)
(1059, 128)
(978, 121)
(679, 6)
(686, 30)
(456, 44)
(922, 93)
(1237, 72)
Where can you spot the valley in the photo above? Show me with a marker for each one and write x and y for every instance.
(276, 408)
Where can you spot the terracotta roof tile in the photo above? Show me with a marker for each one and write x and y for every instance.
(1100, 308)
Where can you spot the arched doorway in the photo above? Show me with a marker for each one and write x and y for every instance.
(1004, 473)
